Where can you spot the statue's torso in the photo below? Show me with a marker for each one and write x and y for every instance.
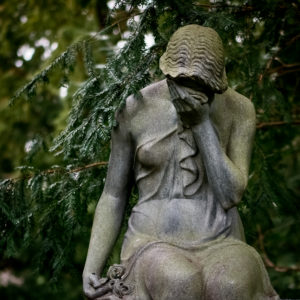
(176, 203)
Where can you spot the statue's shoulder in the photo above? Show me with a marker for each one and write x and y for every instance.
(136, 103)
(238, 104)
(146, 96)
(155, 91)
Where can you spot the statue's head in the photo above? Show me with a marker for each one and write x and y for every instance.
(196, 53)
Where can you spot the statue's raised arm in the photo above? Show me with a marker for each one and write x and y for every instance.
(188, 141)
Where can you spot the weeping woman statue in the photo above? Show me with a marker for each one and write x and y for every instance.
(186, 144)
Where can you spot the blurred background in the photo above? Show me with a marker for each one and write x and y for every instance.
(48, 195)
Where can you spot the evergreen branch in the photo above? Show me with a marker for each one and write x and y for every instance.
(268, 262)
(219, 5)
(268, 65)
(243, 8)
(67, 59)
(61, 171)
(113, 25)
(63, 59)
(276, 123)
(237, 8)
(96, 164)
(284, 68)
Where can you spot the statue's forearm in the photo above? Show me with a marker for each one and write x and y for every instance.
(227, 181)
(106, 227)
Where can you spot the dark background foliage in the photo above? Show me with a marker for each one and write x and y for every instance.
(66, 66)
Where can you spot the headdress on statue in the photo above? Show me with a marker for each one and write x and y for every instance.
(197, 53)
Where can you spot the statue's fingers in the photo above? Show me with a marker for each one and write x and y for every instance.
(178, 106)
(178, 91)
(174, 95)
(89, 291)
(101, 282)
(173, 90)
(102, 291)
(186, 105)
(191, 102)
(94, 280)
(90, 294)
(182, 93)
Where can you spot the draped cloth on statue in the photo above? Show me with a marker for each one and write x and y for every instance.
(176, 202)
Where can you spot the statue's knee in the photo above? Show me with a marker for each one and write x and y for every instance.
(234, 279)
(233, 286)
(170, 275)
(227, 287)
(169, 264)
(153, 259)
(180, 281)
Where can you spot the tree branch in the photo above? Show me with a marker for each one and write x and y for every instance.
(268, 262)
(237, 7)
(276, 123)
(96, 164)
(54, 171)
(284, 69)
(94, 37)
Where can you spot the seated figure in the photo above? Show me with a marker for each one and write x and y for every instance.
(186, 143)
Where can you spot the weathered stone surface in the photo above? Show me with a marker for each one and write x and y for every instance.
(186, 144)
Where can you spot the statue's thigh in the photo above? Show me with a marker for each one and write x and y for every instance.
(165, 273)
(235, 272)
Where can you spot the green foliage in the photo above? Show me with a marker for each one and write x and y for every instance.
(46, 212)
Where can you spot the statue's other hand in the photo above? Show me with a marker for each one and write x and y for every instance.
(88, 288)
(90, 284)
(94, 286)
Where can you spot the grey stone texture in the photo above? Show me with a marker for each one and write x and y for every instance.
(186, 143)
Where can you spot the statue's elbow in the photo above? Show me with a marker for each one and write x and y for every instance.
(238, 193)
(234, 195)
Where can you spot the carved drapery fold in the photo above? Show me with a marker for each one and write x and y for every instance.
(192, 175)
(192, 170)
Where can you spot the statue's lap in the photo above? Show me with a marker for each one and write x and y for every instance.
(225, 268)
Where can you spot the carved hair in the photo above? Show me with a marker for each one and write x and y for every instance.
(196, 52)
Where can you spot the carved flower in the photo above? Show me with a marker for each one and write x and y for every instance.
(120, 288)
(101, 282)
(116, 271)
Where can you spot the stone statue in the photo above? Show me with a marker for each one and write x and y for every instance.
(186, 144)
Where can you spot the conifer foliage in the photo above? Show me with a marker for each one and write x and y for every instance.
(44, 212)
